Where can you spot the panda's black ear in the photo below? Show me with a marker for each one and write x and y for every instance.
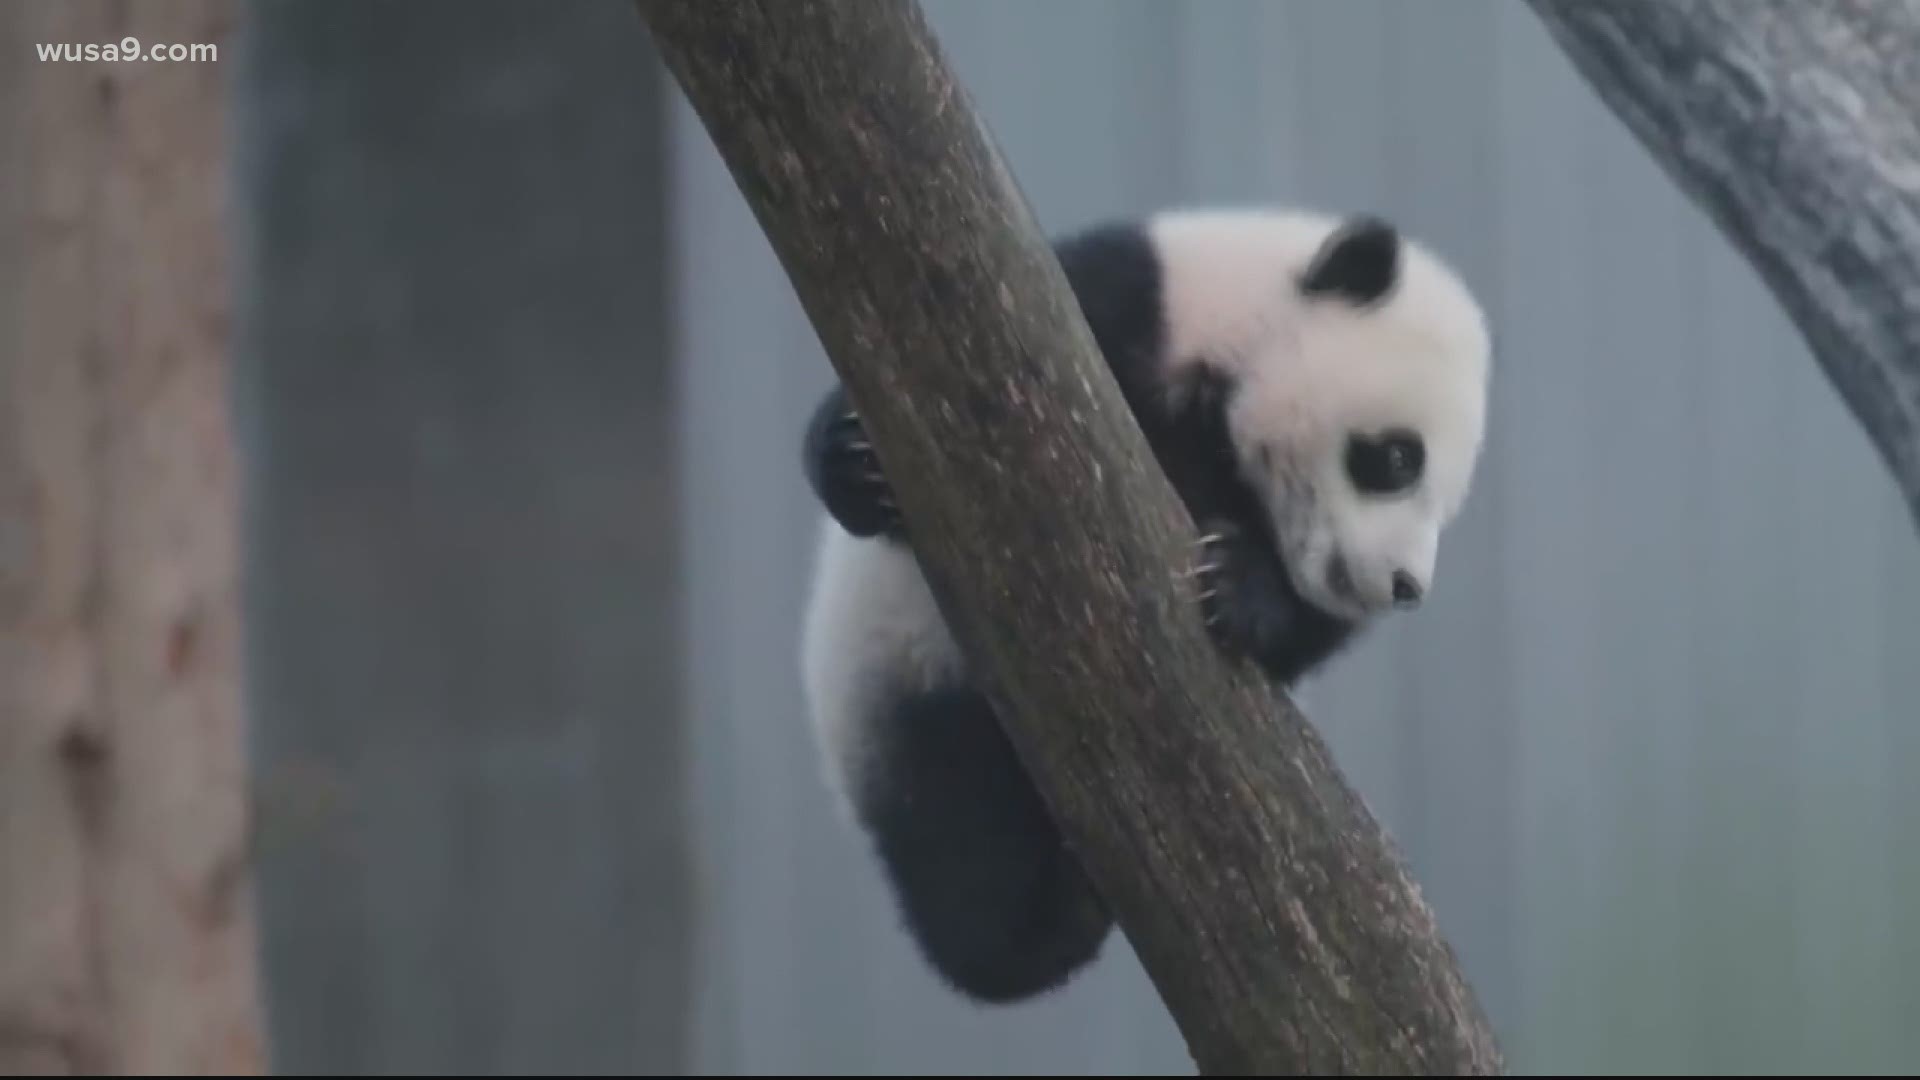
(1359, 262)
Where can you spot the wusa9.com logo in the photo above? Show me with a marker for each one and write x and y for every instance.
(129, 49)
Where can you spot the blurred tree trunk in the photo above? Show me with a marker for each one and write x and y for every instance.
(125, 937)
(462, 614)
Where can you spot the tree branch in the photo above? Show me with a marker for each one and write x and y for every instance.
(1796, 127)
(1279, 925)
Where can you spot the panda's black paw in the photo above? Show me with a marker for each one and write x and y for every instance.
(1238, 590)
(846, 475)
(1252, 610)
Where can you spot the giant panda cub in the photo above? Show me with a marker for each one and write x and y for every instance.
(1314, 388)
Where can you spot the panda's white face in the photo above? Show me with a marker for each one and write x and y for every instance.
(1357, 496)
(1359, 365)
(1360, 424)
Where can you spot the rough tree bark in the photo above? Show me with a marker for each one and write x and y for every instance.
(125, 941)
(1796, 127)
(1280, 926)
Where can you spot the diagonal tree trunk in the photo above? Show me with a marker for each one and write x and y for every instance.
(125, 935)
(1796, 127)
(1279, 925)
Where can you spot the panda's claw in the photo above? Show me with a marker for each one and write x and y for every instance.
(849, 479)
(1223, 576)
(1251, 611)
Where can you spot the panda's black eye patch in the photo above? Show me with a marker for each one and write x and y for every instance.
(1387, 463)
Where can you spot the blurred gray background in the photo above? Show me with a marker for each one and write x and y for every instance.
(522, 389)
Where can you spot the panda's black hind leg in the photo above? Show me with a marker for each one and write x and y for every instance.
(987, 887)
(845, 472)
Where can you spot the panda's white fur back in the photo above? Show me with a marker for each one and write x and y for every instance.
(871, 627)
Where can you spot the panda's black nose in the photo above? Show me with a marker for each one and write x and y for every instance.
(1406, 591)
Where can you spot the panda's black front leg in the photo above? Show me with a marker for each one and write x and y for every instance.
(1251, 607)
(845, 472)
